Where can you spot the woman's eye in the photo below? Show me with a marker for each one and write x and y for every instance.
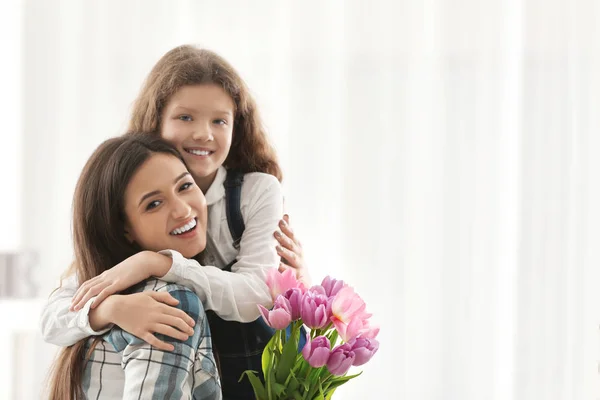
(152, 205)
(186, 185)
(220, 122)
(185, 117)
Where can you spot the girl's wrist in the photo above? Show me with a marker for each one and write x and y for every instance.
(104, 315)
(158, 264)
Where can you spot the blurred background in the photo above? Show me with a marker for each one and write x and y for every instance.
(439, 156)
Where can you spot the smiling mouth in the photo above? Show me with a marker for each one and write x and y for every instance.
(202, 153)
(190, 226)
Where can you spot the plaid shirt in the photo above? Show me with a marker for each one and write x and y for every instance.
(123, 366)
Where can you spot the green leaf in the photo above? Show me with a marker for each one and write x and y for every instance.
(321, 395)
(278, 389)
(329, 393)
(267, 355)
(288, 356)
(333, 338)
(292, 382)
(337, 381)
(270, 383)
(257, 386)
(296, 395)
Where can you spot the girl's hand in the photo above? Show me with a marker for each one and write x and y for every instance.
(290, 251)
(146, 313)
(133, 270)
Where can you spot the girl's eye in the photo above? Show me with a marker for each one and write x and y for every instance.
(152, 205)
(185, 117)
(185, 186)
(220, 122)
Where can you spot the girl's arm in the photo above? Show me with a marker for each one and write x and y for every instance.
(62, 327)
(58, 324)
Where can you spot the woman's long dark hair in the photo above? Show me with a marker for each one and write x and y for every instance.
(99, 233)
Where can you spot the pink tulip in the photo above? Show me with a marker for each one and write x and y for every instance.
(294, 296)
(314, 310)
(332, 286)
(346, 305)
(316, 351)
(279, 317)
(280, 282)
(318, 289)
(363, 349)
(358, 326)
(340, 359)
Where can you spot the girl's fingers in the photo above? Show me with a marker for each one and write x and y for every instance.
(285, 241)
(288, 256)
(164, 297)
(154, 342)
(178, 323)
(171, 332)
(107, 291)
(91, 292)
(82, 290)
(282, 267)
(180, 314)
(169, 308)
(286, 229)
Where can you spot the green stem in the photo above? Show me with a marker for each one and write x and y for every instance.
(333, 337)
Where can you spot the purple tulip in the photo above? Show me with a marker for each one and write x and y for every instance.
(279, 317)
(294, 297)
(316, 351)
(314, 310)
(340, 359)
(332, 286)
(363, 349)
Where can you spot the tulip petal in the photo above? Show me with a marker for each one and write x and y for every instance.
(319, 357)
(279, 318)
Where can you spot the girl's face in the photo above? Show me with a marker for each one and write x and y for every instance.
(164, 208)
(198, 121)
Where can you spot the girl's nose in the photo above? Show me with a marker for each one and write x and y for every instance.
(203, 132)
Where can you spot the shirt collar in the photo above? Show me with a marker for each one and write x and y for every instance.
(216, 191)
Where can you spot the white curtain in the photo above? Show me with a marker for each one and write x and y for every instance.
(438, 155)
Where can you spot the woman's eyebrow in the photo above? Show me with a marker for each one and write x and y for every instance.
(155, 192)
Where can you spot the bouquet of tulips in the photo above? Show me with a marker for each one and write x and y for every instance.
(340, 337)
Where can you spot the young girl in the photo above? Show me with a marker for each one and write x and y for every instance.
(135, 193)
(198, 103)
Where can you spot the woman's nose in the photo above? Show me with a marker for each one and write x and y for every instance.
(181, 209)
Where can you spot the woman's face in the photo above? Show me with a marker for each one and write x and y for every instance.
(198, 121)
(164, 208)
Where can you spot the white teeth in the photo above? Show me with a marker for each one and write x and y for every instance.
(199, 152)
(184, 228)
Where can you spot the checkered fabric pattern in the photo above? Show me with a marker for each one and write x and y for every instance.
(123, 366)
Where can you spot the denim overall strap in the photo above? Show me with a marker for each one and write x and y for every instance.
(233, 197)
